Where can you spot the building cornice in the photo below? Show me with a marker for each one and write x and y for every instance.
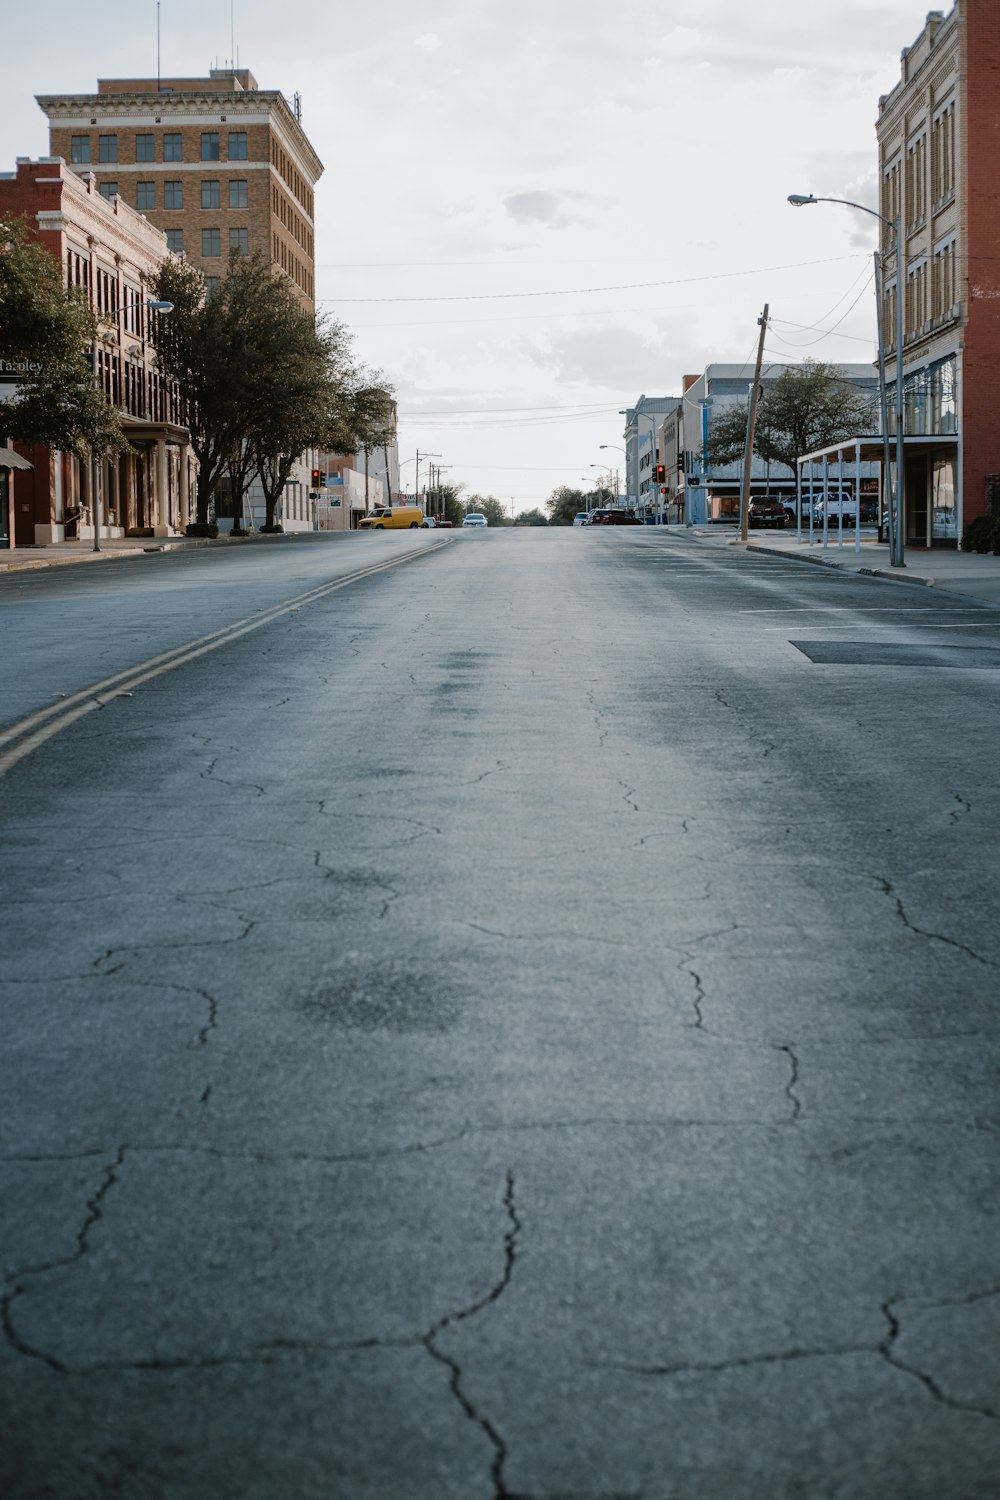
(256, 107)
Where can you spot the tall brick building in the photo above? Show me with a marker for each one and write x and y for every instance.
(939, 166)
(216, 163)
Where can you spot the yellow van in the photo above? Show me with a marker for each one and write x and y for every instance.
(390, 518)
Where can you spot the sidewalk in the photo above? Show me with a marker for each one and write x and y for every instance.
(975, 575)
(23, 559)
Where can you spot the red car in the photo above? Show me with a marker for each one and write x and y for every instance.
(614, 518)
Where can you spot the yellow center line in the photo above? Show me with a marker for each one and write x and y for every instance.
(68, 710)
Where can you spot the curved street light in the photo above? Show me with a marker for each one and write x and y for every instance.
(897, 492)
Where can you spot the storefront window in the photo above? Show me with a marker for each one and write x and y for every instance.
(944, 403)
(943, 518)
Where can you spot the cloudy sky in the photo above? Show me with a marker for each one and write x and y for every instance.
(533, 211)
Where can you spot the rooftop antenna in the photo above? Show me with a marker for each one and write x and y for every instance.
(232, 34)
(157, 46)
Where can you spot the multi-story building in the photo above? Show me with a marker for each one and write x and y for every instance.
(216, 163)
(642, 422)
(712, 492)
(111, 252)
(939, 170)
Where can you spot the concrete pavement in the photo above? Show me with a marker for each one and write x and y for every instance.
(20, 559)
(972, 574)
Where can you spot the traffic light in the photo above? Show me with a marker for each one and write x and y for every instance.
(318, 478)
(660, 473)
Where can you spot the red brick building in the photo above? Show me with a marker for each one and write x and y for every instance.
(111, 251)
(939, 160)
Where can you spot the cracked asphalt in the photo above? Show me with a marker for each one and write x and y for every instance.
(523, 1026)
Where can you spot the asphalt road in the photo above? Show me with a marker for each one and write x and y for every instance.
(518, 1025)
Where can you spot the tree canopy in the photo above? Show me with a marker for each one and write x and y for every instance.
(564, 502)
(808, 406)
(51, 330)
(494, 510)
(259, 380)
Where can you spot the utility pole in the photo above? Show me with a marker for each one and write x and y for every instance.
(751, 428)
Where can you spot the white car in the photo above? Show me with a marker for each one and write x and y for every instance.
(581, 518)
(474, 518)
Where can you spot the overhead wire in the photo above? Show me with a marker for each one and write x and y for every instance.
(581, 291)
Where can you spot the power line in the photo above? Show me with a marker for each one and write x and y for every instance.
(580, 291)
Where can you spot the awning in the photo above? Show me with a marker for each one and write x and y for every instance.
(11, 460)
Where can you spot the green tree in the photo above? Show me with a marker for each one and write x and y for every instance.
(489, 506)
(301, 402)
(447, 500)
(531, 518)
(808, 406)
(53, 332)
(369, 416)
(564, 503)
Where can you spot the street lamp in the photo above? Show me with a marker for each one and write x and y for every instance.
(154, 305)
(897, 495)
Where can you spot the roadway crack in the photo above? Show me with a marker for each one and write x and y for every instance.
(790, 1087)
(93, 1214)
(455, 1377)
(629, 795)
(932, 937)
(887, 1349)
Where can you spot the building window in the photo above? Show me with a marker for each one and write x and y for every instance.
(237, 145)
(107, 148)
(145, 148)
(943, 155)
(211, 285)
(943, 280)
(210, 145)
(890, 191)
(210, 195)
(145, 196)
(173, 195)
(239, 239)
(239, 194)
(172, 150)
(108, 190)
(211, 242)
(916, 180)
(175, 241)
(915, 308)
(79, 148)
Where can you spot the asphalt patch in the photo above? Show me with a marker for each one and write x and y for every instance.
(889, 654)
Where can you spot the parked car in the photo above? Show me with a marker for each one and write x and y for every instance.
(812, 500)
(438, 521)
(581, 518)
(835, 508)
(596, 518)
(614, 518)
(391, 518)
(766, 511)
(475, 518)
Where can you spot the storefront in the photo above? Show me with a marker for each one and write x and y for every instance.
(931, 484)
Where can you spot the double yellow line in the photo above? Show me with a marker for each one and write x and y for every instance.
(33, 730)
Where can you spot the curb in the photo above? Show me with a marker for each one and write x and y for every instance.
(826, 562)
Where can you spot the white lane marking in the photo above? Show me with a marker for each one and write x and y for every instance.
(68, 710)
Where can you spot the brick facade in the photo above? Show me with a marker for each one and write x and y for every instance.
(111, 252)
(938, 135)
(216, 163)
